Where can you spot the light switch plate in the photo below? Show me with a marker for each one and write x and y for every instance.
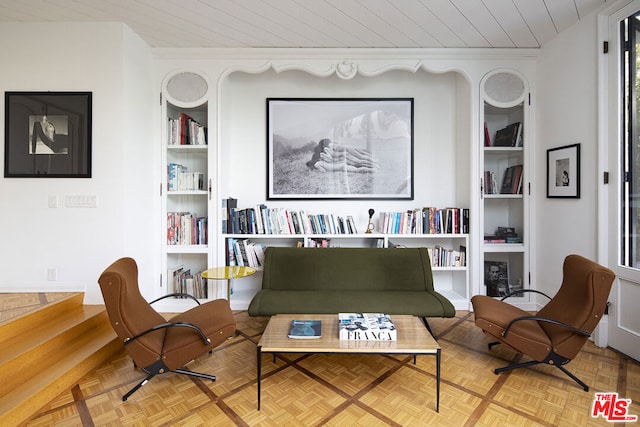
(80, 201)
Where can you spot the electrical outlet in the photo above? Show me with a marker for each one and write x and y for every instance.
(52, 274)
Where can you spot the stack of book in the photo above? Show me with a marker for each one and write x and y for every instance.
(503, 235)
(243, 252)
(186, 131)
(182, 281)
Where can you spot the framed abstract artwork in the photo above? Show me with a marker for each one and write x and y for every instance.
(47, 135)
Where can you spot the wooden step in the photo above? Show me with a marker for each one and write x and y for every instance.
(23, 324)
(63, 342)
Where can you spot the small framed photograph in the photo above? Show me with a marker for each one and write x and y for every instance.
(47, 135)
(320, 148)
(496, 278)
(563, 172)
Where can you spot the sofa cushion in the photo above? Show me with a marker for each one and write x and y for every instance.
(417, 303)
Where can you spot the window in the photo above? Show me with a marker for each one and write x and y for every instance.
(630, 167)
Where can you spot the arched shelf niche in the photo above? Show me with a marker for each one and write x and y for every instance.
(442, 124)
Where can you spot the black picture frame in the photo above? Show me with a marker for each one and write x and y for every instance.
(47, 135)
(340, 148)
(563, 172)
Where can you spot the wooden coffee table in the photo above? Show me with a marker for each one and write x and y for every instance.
(413, 338)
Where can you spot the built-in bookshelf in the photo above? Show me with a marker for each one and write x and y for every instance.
(504, 254)
(185, 189)
(443, 231)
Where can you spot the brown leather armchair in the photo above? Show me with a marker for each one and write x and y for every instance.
(156, 345)
(558, 331)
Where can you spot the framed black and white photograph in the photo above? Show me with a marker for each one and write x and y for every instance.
(496, 278)
(340, 148)
(47, 135)
(563, 172)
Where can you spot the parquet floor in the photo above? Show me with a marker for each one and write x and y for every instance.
(350, 390)
(16, 304)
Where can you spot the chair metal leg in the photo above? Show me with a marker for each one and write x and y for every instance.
(177, 371)
(137, 387)
(515, 366)
(573, 377)
(534, 362)
(194, 374)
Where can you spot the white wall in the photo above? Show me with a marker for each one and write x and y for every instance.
(566, 107)
(439, 180)
(113, 63)
(110, 61)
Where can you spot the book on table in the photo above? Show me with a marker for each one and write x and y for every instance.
(366, 327)
(305, 329)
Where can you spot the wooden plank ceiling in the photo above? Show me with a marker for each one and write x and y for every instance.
(320, 23)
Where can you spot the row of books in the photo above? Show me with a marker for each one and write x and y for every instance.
(180, 179)
(182, 281)
(186, 131)
(511, 181)
(185, 228)
(509, 136)
(264, 220)
(427, 220)
(439, 256)
(443, 257)
(245, 253)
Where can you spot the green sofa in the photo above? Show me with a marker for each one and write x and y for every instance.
(337, 280)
